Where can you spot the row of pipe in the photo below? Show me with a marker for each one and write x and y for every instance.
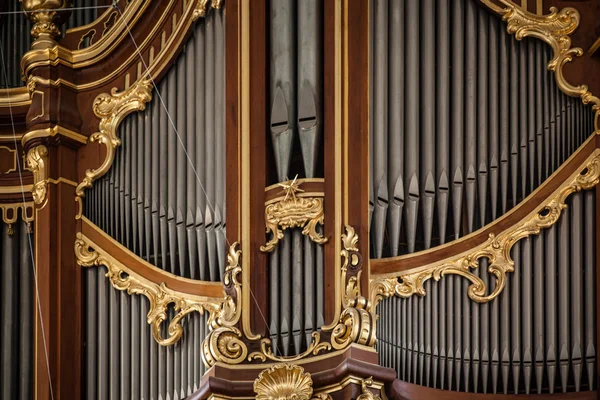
(466, 122)
(16, 311)
(537, 336)
(296, 85)
(164, 199)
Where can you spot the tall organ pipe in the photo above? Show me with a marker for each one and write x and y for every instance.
(296, 266)
(496, 139)
(164, 200)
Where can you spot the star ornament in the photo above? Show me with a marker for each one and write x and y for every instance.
(290, 189)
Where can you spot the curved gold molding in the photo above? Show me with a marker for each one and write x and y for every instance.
(160, 296)
(112, 109)
(293, 212)
(37, 159)
(554, 29)
(496, 249)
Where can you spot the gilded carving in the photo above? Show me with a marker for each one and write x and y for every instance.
(37, 160)
(112, 109)
(158, 295)
(366, 393)
(315, 347)
(46, 15)
(202, 7)
(496, 249)
(554, 29)
(293, 212)
(283, 382)
(225, 342)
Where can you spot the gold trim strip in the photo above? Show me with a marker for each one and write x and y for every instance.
(15, 189)
(51, 132)
(15, 97)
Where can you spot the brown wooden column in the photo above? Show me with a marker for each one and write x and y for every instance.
(57, 337)
(51, 141)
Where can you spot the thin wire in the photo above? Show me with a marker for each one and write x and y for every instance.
(37, 292)
(61, 9)
(189, 160)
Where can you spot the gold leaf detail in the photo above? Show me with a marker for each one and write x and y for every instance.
(554, 29)
(202, 7)
(366, 393)
(283, 382)
(37, 159)
(112, 109)
(224, 342)
(293, 212)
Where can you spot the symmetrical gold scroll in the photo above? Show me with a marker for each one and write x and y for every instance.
(293, 212)
(159, 295)
(496, 249)
(112, 109)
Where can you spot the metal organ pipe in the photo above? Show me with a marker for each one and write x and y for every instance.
(468, 122)
(296, 265)
(153, 201)
(16, 311)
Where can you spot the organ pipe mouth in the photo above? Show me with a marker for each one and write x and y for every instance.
(279, 114)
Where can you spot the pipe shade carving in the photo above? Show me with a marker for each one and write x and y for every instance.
(159, 295)
(293, 212)
(112, 109)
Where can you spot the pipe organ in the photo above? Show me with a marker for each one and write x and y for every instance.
(308, 199)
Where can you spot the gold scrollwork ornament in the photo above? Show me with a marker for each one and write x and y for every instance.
(366, 393)
(158, 295)
(112, 109)
(293, 212)
(224, 342)
(37, 160)
(202, 6)
(554, 29)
